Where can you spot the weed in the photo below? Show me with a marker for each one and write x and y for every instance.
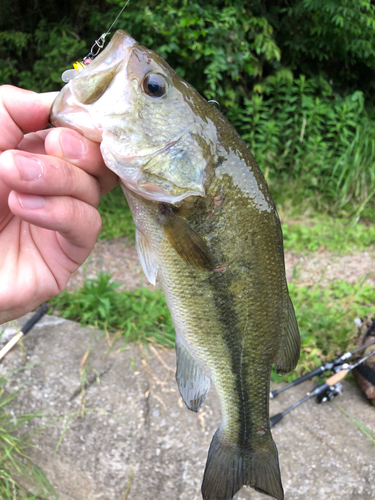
(14, 462)
(325, 315)
(116, 216)
(83, 380)
(131, 475)
(301, 131)
(366, 431)
(325, 319)
(140, 315)
(329, 234)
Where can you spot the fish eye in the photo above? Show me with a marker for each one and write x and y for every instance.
(154, 85)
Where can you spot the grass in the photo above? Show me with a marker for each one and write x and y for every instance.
(366, 431)
(140, 316)
(14, 462)
(302, 234)
(325, 315)
(309, 223)
(326, 233)
(116, 217)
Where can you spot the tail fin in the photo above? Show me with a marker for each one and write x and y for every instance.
(228, 468)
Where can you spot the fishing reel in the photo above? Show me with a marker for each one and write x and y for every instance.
(330, 393)
(331, 387)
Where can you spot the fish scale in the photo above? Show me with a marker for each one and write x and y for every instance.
(208, 230)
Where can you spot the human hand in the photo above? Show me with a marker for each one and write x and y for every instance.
(50, 185)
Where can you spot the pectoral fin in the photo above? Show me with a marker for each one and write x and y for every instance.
(192, 382)
(146, 257)
(288, 355)
(187, 243)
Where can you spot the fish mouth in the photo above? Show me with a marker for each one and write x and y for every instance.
(83, 101)
(132, 169)
(66, 113)
(103, 91)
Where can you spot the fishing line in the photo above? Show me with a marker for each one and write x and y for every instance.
(94, 51)
(114, 22)
(99, 43)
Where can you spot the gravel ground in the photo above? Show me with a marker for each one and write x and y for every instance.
(325, 267)
(119, 257)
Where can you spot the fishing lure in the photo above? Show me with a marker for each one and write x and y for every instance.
(78, 66)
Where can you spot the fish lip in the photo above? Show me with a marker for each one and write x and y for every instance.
(122, 46)
(68, 118)
(94, 134)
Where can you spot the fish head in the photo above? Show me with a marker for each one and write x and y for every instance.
(156, 131)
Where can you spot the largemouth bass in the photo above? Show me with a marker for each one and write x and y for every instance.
(207, 228)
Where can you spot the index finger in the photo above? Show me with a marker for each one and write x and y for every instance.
(22, 111)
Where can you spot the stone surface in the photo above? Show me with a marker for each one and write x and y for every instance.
(137, 441)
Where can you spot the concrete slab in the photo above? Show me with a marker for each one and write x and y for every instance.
(137, 441)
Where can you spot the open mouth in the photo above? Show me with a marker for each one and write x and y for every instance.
(83, 101)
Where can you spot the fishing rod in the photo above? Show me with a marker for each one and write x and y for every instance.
(328, 390)
(25, 329)
(332, 366)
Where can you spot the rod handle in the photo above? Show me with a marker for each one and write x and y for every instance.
(26, 328)
(12, 342)
(275, 419)
(337, 377)
(34, 319)
(299, 380)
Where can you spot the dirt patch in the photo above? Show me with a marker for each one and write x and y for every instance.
(119, 258)
(324, 267)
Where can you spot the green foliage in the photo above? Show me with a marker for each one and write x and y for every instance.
(325, 314)
(325, 318)
(331, 37)
(140, 316)
(223, 41)
(14, 462)
(330, 234)
(57, 47)
(302, 131)
(317, 130)
(116, 217)
(17, 40)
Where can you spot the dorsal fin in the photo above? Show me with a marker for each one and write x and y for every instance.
(289, 352)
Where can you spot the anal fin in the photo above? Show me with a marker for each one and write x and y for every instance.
(193, 384)
(289, 352)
